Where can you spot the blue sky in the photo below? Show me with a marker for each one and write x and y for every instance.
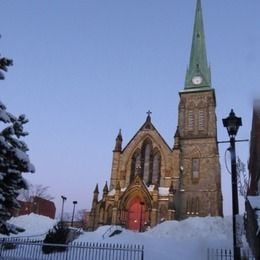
(84, 69)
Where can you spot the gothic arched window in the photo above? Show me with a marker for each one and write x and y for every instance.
(109, 215)
(135, 164)
(147, 162)
(190, 120)
(192, 206)
(197, 206)
(195, 169)
(201, 123)
(156, 168)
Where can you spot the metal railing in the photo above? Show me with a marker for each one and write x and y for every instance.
(32, 250)
(227, 254)
(110, 230)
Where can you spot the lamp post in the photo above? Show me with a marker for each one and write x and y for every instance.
(62, 207)
(73, 212)
(232, 123)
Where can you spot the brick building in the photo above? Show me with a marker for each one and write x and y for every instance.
(38, 206)
(254, 160)
(252, 217)
(152, 181)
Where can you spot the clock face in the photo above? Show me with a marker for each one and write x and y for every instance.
(197, 80)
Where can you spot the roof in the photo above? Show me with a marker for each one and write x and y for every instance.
(148, 125)
(198, 75)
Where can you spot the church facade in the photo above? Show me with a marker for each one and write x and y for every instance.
(151, 181)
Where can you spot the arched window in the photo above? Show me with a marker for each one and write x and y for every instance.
(195, 169)
(197, 206)
(195, 165)
(190, 120)
(192, 206)
(201, 124)
(188, 206)
(156, 168)
(146, 160)
(109, 215)
(101, 215)
(135, 164)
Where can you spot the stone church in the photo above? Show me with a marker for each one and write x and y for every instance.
(151, 181)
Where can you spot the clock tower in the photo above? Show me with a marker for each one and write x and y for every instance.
(199, 157)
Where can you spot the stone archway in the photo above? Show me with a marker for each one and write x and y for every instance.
(136, 214)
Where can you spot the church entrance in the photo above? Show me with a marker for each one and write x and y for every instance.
(136, 215)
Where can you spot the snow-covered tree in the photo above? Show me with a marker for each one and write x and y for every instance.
(13, 160)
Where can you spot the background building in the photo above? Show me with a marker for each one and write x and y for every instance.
(252, 216)
(38, 206)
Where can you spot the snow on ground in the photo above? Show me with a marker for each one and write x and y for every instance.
(184, 240)
(34, 225)
(187, 239)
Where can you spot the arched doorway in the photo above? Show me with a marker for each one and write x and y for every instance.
(136, 215)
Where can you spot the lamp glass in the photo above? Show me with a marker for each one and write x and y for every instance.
(232, 123)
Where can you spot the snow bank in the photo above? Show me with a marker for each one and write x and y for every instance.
(179, 240)
(197, 227)
(34, 225)
(183, 240)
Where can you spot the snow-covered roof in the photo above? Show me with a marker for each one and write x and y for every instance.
(113, 191)
(163, 191)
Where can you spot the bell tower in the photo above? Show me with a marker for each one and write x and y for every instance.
(200, 193)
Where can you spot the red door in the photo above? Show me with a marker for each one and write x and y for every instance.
(136, 215)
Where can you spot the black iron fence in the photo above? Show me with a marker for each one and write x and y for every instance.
(227, 254)
(32, 250)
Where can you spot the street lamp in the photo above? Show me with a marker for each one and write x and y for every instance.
(73, 212)
(62, 207)
(232, 123)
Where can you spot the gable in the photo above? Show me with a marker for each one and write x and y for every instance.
(146, 132)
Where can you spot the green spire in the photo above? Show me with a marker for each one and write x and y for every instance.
(198, 74)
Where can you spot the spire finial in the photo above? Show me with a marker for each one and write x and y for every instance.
(148, 119)
(96, 189)
(198, 74)
(105, 189)
(119, 139)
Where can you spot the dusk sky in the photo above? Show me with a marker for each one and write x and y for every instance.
(83, 69)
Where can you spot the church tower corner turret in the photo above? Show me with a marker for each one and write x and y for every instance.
(116, 160)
